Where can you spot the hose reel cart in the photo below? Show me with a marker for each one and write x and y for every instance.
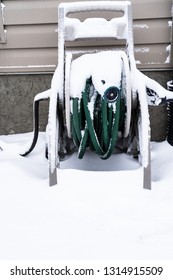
(97, 95)
(98, 102)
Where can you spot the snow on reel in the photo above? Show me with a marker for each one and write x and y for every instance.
(99, 113)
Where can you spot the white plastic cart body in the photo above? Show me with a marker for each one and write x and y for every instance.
(71, 29)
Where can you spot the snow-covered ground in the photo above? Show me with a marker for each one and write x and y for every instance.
(98, 210)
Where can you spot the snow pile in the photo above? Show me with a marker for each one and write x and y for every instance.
(105, 68)
(95, 28)
(98, 210)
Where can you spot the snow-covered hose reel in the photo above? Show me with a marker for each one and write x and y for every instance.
(96, 120)
(170, 115)
(101, 101)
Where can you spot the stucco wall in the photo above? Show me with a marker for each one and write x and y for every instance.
(16, 102)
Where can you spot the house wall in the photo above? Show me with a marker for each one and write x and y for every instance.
(31, 35)
(28, 53)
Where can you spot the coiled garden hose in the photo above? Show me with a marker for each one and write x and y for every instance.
(96, 120)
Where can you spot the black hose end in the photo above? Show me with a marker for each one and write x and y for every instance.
(111, 94)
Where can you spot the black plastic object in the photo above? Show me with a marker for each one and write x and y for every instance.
(111, 94)
(170, 115)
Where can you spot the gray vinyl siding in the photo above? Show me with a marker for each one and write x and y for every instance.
(30, 28)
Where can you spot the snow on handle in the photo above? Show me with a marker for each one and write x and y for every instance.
(95, 27)
(94, 5)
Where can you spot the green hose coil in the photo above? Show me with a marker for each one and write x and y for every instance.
(96, 120)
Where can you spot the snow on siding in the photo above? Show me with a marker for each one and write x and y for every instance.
(2, 10)
(141, 26)
(168, 50)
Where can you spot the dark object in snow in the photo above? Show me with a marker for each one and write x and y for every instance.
(170, 115)
(158, 121)
(152, 95)
(36, 127)
(111, 94)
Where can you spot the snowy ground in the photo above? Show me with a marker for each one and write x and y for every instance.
(98, 210)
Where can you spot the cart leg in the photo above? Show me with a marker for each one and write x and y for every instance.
(147, 172)
(52, 177)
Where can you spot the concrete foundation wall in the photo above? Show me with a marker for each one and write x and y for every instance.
(158, 114)
(16, 103)
(17, 93)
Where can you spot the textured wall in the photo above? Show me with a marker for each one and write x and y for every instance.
(160, 76)
(158, 114)
(16, 102)
(16, 98)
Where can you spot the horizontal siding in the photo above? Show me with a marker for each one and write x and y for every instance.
(149, 9)
(144, 53)
(21, 60)
(153, 31)
(21, 12)
(35, 12)
(32, 38)
(39, 36)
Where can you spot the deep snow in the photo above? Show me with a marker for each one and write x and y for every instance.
(89, 214)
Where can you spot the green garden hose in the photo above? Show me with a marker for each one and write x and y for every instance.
(96, 120)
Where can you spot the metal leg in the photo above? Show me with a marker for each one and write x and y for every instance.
(147, 172)
(53, 138)
(52, 177)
